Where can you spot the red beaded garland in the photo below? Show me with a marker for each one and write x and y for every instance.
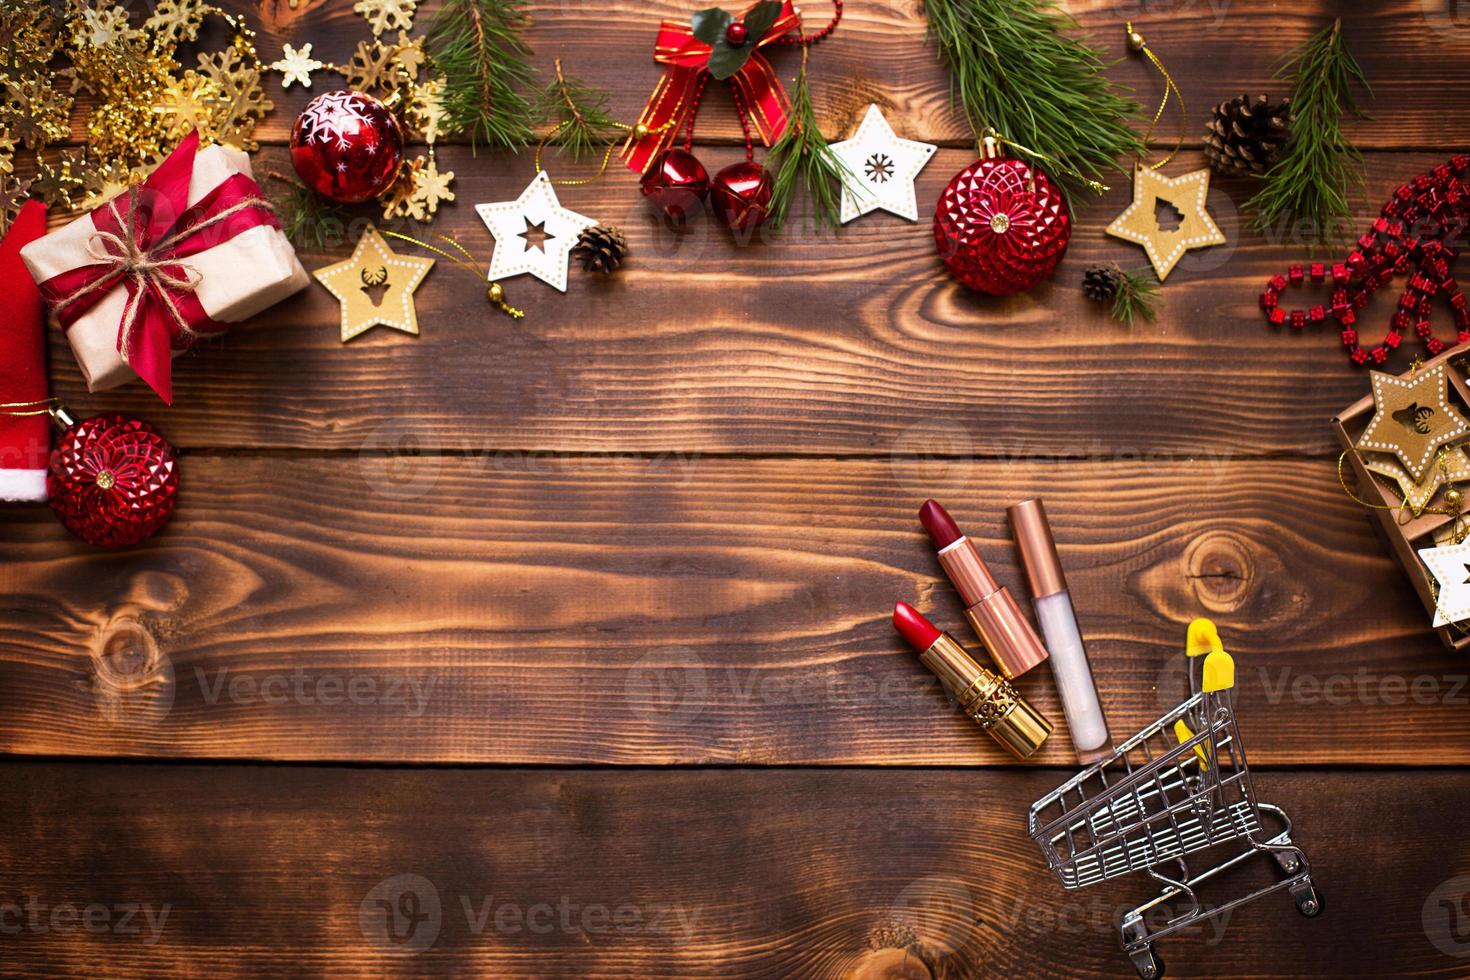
(1414, 231)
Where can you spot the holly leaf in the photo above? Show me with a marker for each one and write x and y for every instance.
(709, 25)
(760, 18)
(725, 61)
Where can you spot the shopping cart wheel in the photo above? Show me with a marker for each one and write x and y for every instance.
(1148, 963)
(1308, 899)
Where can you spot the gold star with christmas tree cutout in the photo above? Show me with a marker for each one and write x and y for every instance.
(375, 286)
(1412, 418)
(1139, 222)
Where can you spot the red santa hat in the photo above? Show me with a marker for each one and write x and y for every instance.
(25, 440)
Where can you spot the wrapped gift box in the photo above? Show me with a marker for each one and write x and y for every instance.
(237, 277)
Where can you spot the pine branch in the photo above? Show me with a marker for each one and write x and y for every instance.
(1135, 296)
(477, 46)
(802, 156)
(308, 220)
(578, 113)
(1014, 67)
(1311, 181)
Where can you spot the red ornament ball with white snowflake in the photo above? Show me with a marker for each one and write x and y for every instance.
(1001, 225)
(113, 480)
(347, 146)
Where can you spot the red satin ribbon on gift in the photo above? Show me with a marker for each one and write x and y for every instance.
(685, 59)
(163, 313)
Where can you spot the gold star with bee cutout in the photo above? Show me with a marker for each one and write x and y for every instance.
(375, 286)
(1139, 222)
(1413, 417)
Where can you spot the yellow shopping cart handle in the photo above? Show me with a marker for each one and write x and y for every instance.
(1219, 669)
(1182, 732)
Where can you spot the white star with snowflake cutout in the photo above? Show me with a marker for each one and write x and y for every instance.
(1450, 565)
(533, 234)
(880, 169)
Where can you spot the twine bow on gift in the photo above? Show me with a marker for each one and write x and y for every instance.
(714, 44)
(141, 248)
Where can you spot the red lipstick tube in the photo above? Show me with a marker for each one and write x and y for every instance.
(990, 607)
(986, 697)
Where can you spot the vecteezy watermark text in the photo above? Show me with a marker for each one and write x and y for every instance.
(36, 917)
(301, 687)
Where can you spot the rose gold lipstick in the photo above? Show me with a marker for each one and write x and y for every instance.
(983, 695)
(990, 607)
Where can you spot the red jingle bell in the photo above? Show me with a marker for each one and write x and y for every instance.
(676, 183)
(1001, 225)
(113, 480)
(347, 146)
(741, 195)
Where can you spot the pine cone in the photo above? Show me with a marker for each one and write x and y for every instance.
(601, 248)
(1102, 282)
(1246, 135)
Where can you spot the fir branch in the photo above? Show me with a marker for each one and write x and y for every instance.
(1311, 181)
(1135, 296)
(1014, 67)
(802, 156)
(308, 220)
(578, 114)
(477, 46)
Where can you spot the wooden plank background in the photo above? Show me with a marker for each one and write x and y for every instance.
(434, 606)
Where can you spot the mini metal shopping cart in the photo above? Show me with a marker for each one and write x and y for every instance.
(1178, 787)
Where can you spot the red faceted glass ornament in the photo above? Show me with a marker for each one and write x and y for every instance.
(347, 146)
(113, 479)
(741, 195)
(676, 183)
(1001, 225)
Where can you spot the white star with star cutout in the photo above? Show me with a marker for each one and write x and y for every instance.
(533, 233)
(880, 169)
(1450, 565)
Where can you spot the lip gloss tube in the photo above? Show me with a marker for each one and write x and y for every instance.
(1053, 603)
(986, 697)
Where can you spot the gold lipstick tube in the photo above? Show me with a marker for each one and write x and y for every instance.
(987, 697)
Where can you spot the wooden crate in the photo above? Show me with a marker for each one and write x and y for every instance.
(1403, 533)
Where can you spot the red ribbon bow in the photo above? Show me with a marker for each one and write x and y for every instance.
(686, 62)
(139, 241)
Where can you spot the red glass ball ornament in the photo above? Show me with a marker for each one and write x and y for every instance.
(113, 480)
(1001, 226)
(741, 195)
(676, 183)
(347, 146)
(736, 33)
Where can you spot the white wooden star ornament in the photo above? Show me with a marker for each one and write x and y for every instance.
(1450, 566)
(533, 234)
(1167, 242)
(880, 169)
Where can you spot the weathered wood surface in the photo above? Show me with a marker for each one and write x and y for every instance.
(278, 872)
(805, 345)
(543, 609)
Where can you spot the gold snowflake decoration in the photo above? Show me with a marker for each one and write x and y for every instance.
(105, 28)
(175, 22)
(387, 15)
(296, 66)
(238, 101)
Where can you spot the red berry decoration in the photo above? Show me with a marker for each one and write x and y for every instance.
(736, 34)
(113, 480)
(741, 195)
(676, 183)
(1001, 225)
(347, 146)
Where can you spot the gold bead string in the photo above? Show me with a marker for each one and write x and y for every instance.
(495, 292)
(13, 408)
(1454, 497)
(639, 131)
(1138, 45)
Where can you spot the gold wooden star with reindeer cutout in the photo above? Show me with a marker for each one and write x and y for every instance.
(375, 286)
(1412, 418)
(1140, 223)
